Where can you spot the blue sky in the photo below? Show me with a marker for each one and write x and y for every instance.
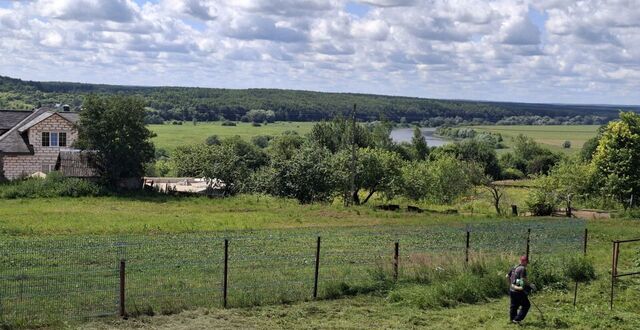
(520, 50)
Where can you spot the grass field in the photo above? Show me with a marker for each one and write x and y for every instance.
(171, 136)
(552, 136)
(397, 306)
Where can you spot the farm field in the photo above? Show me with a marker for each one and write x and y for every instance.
(178, 226)
(171, 136)
(551, 136)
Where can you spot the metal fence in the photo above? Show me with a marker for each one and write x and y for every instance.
(58, 278)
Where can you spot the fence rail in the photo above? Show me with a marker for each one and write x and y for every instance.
(51, 278)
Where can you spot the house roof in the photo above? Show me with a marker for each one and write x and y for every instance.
(12, 142)
(69, 116)
(11, 118)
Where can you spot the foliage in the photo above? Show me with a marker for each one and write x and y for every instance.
(228, 123)
(209, 104)
(441, 180)
(213, 140)
(589, 148)
(261, 141)
(54, 185)
(580, 269)
(377, 170)
(306, 176)
(569, 178)
(566, 144)
(419, 144)
(512, 174)
(474, 151)
(543, 200)
(114, 127)
(617, 158)
(259, 116)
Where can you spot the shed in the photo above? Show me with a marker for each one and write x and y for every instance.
(77, 163)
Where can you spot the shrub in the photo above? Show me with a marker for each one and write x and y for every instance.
(54, 185)
(541, 202)
(566, 144)
(228, 123)
(580, 269)
(256, 124)
(512, 174)
(545, 274)
(213, 140)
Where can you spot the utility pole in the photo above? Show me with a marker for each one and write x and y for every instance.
(353, 156)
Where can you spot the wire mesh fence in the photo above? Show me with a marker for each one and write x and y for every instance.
(59, 278)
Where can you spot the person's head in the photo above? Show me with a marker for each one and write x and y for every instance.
(524, 260)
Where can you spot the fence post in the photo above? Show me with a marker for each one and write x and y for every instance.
(466, 249)
(226, 273)
(123, 310)
(396, 260)
(528, 241)
(586, 238)
(613, 271)
(315, 278)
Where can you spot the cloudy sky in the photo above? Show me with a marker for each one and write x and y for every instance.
(515, 50)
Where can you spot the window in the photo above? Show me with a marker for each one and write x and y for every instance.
(45, 139)
(54, 139)
(62, 137)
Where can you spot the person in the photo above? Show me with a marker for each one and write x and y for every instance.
(517, 291)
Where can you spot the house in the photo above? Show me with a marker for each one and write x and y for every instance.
(31, 141)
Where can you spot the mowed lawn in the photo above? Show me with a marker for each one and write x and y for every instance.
(171, 136)
(551, 136)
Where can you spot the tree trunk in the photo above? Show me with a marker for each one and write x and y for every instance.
(371, 192)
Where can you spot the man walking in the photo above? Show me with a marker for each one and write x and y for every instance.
(518, 282)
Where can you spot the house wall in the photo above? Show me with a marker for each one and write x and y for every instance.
(16, 166)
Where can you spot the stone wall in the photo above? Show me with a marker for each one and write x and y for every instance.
(16, 166)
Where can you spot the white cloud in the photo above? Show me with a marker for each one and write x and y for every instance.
(587, 51)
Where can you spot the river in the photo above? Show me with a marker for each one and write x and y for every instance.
(399, 135)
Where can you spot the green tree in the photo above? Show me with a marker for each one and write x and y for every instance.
(420, 147)
(474, 151)
(377, 170)
(114, 127)
(617, 158)
(417, 180)
(307, 176)
(568, 179)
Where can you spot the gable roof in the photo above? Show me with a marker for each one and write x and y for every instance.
(11, 118)
(12, 142)
(68, 116)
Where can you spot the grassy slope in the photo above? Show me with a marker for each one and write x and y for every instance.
(118, 215)
(551, 136)
(172, 136)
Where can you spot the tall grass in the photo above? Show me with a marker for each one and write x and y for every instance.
(54, 185)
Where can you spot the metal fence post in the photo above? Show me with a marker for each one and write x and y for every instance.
(586, 238)
(225, 277)
(614, 266)
(396, 260)
(528, 241)
(317, 270)
(466, 249)
(123, 310)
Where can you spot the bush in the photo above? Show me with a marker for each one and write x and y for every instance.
(256, 124)
(213, 140)
(228, 123)
(545, 274)
(512, 174)
(54, 185)
(580, 269)
(566, 144)
(541, 202)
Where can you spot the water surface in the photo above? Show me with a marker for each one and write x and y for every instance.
(399, 135)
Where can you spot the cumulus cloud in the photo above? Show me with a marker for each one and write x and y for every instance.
(88, 10)
(585, 51)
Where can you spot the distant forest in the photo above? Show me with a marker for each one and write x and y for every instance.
(212, 104)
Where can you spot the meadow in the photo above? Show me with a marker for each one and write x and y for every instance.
(175, 244)
(171, 136)
(551, 136)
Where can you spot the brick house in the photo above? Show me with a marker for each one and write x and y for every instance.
(31, 141)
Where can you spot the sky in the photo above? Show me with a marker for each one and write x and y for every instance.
(546, 51)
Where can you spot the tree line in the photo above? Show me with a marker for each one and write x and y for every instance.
(209, 104)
